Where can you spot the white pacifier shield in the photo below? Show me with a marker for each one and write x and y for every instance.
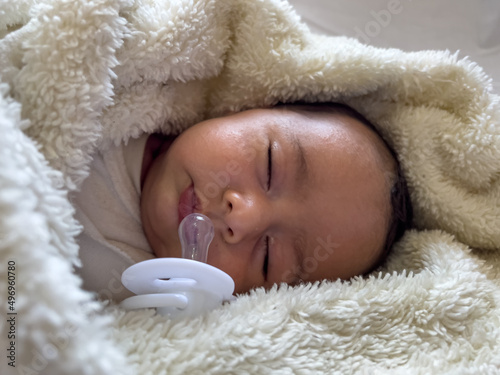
(177, 287)
(164, 275)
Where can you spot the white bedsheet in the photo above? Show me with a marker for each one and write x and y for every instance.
(470, 26)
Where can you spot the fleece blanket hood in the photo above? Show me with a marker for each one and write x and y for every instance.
(77, 75)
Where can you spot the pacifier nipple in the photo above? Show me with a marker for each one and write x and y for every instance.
(196, 232)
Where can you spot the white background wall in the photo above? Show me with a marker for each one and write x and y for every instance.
(470, 26)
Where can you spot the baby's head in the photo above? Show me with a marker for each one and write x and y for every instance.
(295, 193)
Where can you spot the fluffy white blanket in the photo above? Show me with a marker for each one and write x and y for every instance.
(81, 74)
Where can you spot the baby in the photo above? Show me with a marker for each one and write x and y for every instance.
(296, 193)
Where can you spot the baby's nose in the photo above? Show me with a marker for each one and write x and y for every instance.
(244, 216)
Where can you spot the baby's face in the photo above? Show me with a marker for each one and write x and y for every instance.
(292, 196)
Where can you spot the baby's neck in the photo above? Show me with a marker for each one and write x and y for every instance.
(155, 146)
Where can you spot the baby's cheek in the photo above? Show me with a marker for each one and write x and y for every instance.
(231, 265)
(215, 258)
(290, 275)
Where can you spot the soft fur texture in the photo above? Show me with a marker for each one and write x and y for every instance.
(80, 74)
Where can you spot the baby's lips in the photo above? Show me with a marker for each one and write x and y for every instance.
(198, 207)
(184, 210)
(187, 202)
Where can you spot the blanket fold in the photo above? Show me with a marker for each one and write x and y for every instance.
(77, 75)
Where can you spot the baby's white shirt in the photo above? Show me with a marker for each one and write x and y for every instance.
(108, 207)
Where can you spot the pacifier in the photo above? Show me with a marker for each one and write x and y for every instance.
(180, 287)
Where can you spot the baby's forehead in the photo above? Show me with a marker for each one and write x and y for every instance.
(333, 130)
(303, 121)
(302, 116)
(355, 126)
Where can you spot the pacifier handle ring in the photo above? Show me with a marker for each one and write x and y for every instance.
(145, 301)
